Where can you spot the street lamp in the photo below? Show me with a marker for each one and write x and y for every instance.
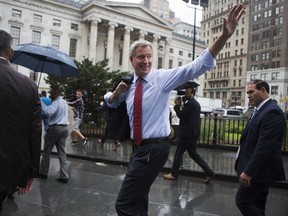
(203, 3)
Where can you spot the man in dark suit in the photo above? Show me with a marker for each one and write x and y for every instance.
(189, 132)
(20, 128)
(259, 160)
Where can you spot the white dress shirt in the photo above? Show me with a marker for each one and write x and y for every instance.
(157, 85)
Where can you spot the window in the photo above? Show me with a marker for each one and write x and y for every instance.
(15, 33)
(171, 50)
(37, 18)
(56, 22)
(274, 90)
(36, 36)
(72, 50)
(275, 76)
(180, 52)
(33, 75)
(160, 60)
(253, 77)
(263, 76)
(170, 64)
(74, 26)
(180, 64)
(55, 41)
(16, 13)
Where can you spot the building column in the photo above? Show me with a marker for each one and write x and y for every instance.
(110, 43)
(126, 47)
(93, 38)
(166, 53)
(155, 50)
(142, 34)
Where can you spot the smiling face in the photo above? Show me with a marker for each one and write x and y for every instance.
(142, 60)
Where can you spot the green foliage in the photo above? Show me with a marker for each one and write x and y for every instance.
(95, 79)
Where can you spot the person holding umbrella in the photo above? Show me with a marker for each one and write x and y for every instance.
(56, 134)
(189, 133)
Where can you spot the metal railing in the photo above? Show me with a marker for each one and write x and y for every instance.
(215, 131)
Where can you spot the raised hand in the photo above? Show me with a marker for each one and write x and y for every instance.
(231, 20)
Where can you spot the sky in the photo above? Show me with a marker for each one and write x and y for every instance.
(181, 10)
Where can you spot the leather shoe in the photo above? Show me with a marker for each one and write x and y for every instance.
(62, 180)
(169, 177)
(208, 179)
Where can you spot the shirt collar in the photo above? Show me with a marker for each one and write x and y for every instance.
(3, 58)
(261, 104)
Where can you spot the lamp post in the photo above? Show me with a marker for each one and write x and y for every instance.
(203, 3)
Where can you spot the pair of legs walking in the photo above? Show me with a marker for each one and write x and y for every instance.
(55, 136)
(189, 144)
(144, 166)
(77, 133)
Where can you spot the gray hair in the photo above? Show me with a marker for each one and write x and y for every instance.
(138, 43)
(5, 43)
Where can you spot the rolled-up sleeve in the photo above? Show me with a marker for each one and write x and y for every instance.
(117, 101)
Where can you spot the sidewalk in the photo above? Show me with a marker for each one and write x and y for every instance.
(221, 161)
(96, 174)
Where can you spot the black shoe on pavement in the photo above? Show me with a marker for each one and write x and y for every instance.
(65, 181)
(85, 140)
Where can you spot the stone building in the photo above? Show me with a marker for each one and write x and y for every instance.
(228, 80)
(96, 29)
(268, 51)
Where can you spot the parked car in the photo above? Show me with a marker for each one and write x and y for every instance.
(219, 111)
(233, 113)
(249, 111)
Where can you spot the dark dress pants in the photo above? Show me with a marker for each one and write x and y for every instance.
(251, 200)
(145, 164)
(189, 144)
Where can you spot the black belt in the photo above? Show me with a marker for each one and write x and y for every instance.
(58, 125)
(151, 140)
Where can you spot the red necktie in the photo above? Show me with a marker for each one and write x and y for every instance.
(137, 114)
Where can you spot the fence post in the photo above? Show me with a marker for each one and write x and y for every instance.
(214, 142)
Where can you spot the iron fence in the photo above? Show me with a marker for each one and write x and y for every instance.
(215, 131)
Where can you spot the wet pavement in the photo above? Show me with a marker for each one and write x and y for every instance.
(96, 174)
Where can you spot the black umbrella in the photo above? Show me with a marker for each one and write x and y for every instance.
(42, 58)
(181, 89)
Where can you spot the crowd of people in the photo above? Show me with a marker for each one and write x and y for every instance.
(258, 161)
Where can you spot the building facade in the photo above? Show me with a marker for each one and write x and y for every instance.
(228, 80)
(268, 51)
(96, 29)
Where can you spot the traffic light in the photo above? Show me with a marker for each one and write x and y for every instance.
(195, 2)
(203, 3)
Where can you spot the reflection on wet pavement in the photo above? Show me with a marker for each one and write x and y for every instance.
(96, 174)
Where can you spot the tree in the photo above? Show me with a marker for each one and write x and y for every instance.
(95, 79)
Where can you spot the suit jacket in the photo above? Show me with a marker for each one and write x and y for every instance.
(260, 145)
(20, 128)
(189, 125)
